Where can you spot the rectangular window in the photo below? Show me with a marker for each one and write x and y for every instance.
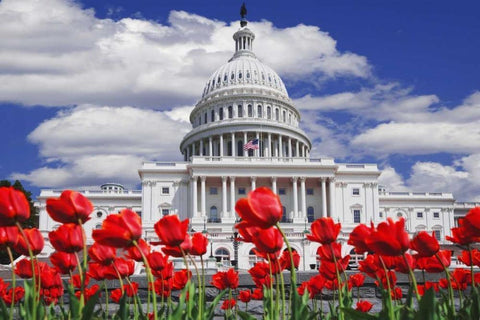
(419, 214)
(436, 215)
(310, 191)
(356, 191)
(165, 212)
(220, 113)
(438, 234)
(380, 214)
(213, 190)
(282, 191)
(165, 190)
(356, 216)
(240, 111)
(241, 191)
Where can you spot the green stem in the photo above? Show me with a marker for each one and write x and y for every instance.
(199, 282)
(283, 291)
(84, 239)
(293, 274)
(271, 285)
(106, 298)
(150, 280)
(389, 301)
(339, 280)
(202, 288)
(135, 305)
(412, 277)
(471, 265)
(450, 289)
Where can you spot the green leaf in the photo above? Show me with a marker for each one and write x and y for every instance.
(245, 315)
(210, 311)
(358, 315)
(122, 313)
(90, 306)
(427, 308)
(3, 310)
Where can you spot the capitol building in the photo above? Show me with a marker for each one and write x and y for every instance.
(246, 134)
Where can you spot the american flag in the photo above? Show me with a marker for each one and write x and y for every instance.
(252, 144)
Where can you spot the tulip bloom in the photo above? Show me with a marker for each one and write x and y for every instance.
(199, 244)
(364, 306)
(465, 257)
(257, 294)
(324, 230)
(14, 206)
(97, 271)
(171, 231)
(89, 292)
(390, 238)
(8, 237)
(135, 254)
(119, 230)
(330, 252)
(472, 221)
(34, 239)
(261, 208)
(67, 238)
(71, 207)
(356, 280)
(358, 236)
(17, 294)
(223, 280)
(260, 274)
(102, 254)
(462, 235)
(180, 279)
(63, 262)
(316, 284)
(120, 268)
(267, 240)
(433, 264)
(180, 250)
(228, 304)
(157, 262)
(286, 262)
(426, 245)
(245, 296)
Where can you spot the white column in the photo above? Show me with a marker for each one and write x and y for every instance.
(210, 147)
(245, 152)
(289, 154)
(194, 197)
(269, 145)
(274, 184)
(193, 149)
(331, 186)
(232, 197)
(253, 181)
(303, 198)
(324, 198)
(280, 147)
(233, 144)
(202, 197)
(295, 197)
(257, 152)
(224, 197)
(221, 145)
(201, 147)
(304, 151)
(297, 150)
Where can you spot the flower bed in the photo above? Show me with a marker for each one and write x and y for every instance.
(118, 244)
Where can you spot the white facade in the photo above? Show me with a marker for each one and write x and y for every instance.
(245, 100)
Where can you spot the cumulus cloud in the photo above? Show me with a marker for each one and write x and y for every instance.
(390, 179)
(56, 53)
(93, 144)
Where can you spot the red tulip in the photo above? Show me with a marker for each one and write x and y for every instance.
(135, 254)
(119, 268)
(422, 288)
(403, 267)
(71, 207)
(180, 250)
(386, 278)
(77, 282)
(102, 254)
(364, 306)
(157, 262)
(180, 279)
(171, 231)
(89, 292)
(257, 294)
(64, 262)
(260, 274)
(23, 268)
(330, 252)
(116, 295)
(328, 269)
(315, 285)
(358, 236)
(223, 280)
(228, 304)
(261, 208)
(163, 287)
(8, 237)
(472, 221)
(396, 293)
(286, 262)
(14, 206)
(462, 235)
(435, 264)
(16, 293)
(67, 238)
(356, 280)
(199, 244)
(97, 271)
(369, 266)
(35, 242)
(390, 238)
(119, 230)
(426, 245)
(324, 230)
(465, 257)
(267, 240)
(245, 296)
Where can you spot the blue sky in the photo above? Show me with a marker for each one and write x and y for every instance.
(89, 89)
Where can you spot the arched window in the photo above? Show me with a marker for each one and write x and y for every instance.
(259, 111)
(212, 118)
(277, 115)
(213, 214)
(220, 113)
(240, 148)
(252, 258)
(269, 113)
(240, 111)
(284, 116)
(310, 214)
(223, 255)
(230, 112)
(229, 148)
(205, 118)
(250, 110)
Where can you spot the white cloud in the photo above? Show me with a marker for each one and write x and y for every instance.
(56, 53)
(92, 144)
(390, 179)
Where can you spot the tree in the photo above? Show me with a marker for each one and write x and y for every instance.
(30, 223)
